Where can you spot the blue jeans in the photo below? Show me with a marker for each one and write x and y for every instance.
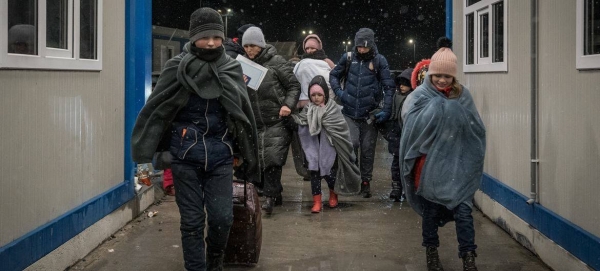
(195, 190)
(465, 231)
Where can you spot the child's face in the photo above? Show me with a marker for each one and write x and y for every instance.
(317, 98)
(404, 89)
(442, 81)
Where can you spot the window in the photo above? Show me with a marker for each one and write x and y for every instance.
(51, 34)
(484, 33)
(166, 53)
(588, 34)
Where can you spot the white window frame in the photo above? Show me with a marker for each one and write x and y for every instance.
(52, 58)
(484, 64)
(583, 62)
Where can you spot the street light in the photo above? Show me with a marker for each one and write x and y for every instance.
(413, 42)
(226, 15)
(346, 44)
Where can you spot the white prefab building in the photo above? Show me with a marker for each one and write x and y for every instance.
(533, 68)
(73, 76)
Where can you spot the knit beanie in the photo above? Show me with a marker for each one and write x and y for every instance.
(240, 31)
(312, 41)
(206, 22)
(254, 35)
(365, 37)
(444, 60)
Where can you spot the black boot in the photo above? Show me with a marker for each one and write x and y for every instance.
(214, 261)
(278, 200)
(469, 261)
(396, 191)
(365, 189)
(268, 205)
(433, 259)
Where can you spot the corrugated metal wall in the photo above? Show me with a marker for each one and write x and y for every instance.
(62, 135)
(569, 132)
(569, 127)
(503, 99)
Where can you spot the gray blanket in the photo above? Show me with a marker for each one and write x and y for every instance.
(330, 119)
(452, 136)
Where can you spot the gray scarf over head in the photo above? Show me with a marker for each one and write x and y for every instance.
(452, 136)
(186, 74)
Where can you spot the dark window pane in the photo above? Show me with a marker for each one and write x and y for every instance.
(57, 24)
(470, 42)
(88, 29)
(22, 27)
(471, 2)
(498, 32)
(484, 40)
(592, 27)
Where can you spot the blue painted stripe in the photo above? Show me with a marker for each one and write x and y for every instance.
(569, 236)
(34, 245)
(449, 19)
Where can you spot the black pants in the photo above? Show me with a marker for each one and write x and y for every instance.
(395, 169)
(271, 179)
(196, 190)
(315, 180)
(364, 138)
(465, 231)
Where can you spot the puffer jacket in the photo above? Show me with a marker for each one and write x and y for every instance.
(279, 87)
(368, 82)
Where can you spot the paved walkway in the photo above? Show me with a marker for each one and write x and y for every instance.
(361, 234)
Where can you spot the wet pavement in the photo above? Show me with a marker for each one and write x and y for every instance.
(360, 234)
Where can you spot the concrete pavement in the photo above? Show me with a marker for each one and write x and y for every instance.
(360, 234)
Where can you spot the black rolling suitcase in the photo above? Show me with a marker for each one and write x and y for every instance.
(245, 236)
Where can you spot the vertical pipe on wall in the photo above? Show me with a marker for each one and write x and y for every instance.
(534, 197)
(449, 19)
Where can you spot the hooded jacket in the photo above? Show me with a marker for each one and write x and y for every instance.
(368, 81)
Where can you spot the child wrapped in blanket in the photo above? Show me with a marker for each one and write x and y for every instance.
(326, 142)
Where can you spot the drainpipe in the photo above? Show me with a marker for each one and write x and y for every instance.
(535, 162)
(449, 19)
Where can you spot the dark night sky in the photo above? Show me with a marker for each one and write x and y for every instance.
(394, 22)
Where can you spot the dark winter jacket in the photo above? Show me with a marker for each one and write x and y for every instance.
(200, 136)
(279, 87)
(232, 48)
(368, 82)
(392, 128)
(186, 75)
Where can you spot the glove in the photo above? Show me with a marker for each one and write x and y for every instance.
(382, 116)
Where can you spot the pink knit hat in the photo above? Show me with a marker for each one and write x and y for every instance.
(443, 62)
(313, 41)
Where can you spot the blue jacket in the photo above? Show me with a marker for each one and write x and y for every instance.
(368, 83)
